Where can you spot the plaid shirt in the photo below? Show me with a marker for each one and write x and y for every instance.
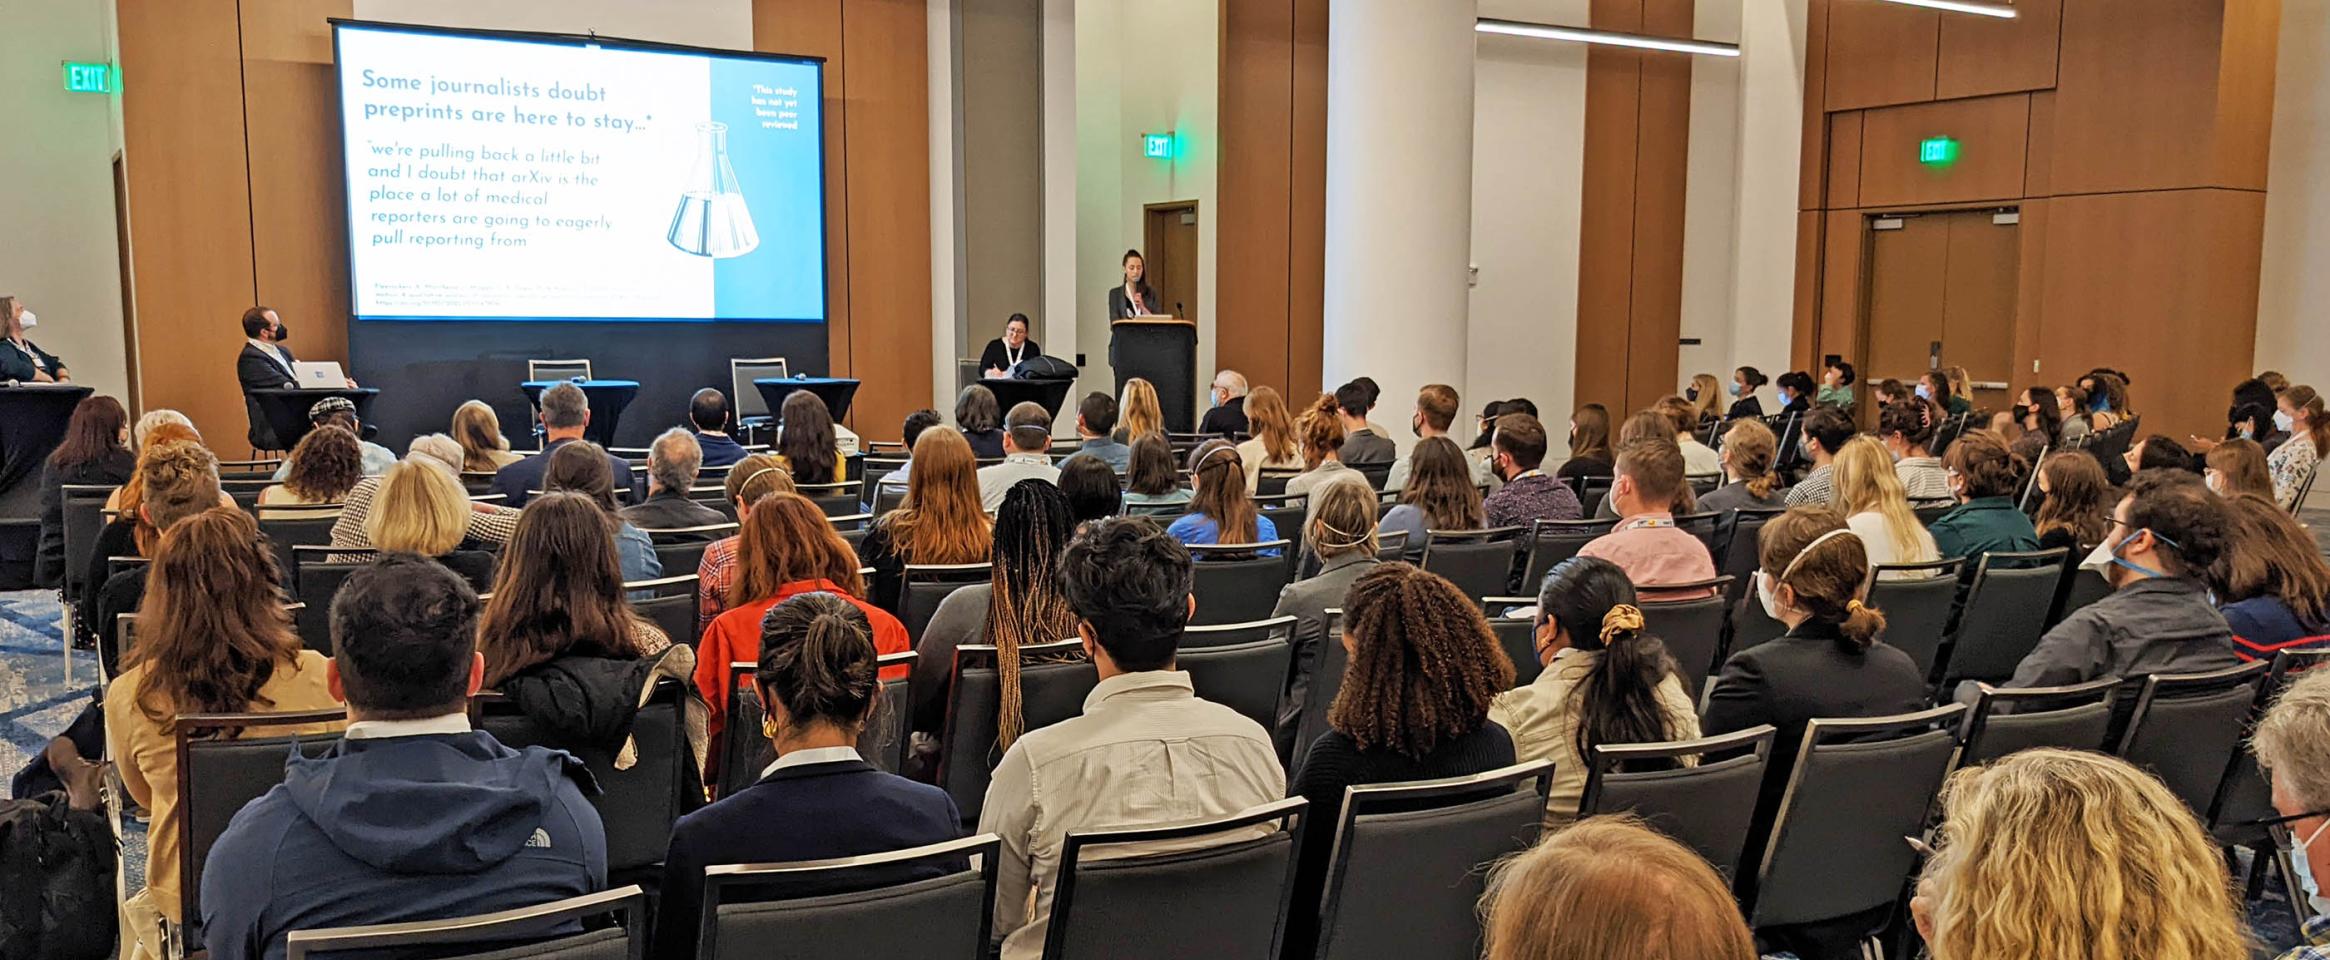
(713, 577)
(2317, 941)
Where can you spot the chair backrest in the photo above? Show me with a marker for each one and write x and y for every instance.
(2074, 717)
(2004, 614)
(1708, 807)
(2186, 727)
(926, 585)
(674, 614)
(285, 531)
(1325, 682)
(1736, 554)
(1216, 888)
(946, 917)
(315, 583)
(2080, 588)
(1287, 516)
(1553, 541)
(1243, 586)
(540, 370)
(638, 803)
(1411, 860)
(1377, 474)
(741, 391)
(1248, 677)
(1703, 484)
(743, 749)
(216, 777)
(1517, 636)
(682, 556)
(490, 935)
(1053, 679)
(1928, 512)
(1232, 634)
(1479, 562)
(1917, 600)
(1691, 629)
(1835, 846)
(836, 499)
(1591, 492)
(677, 585)
(83, 519)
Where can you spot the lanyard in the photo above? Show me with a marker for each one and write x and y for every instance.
(1015, 354)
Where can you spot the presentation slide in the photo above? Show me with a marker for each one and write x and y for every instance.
(521, 177)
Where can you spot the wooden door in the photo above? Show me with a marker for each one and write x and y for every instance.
(1978, 302)
(1941, 291)
(1171, 238)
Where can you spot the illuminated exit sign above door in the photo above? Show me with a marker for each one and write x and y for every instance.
(88, 77)
(1937, 151)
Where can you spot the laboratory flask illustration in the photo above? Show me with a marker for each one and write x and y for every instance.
(712, 219)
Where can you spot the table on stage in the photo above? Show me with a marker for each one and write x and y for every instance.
(607, 399)
(835, 391)
(1049, 394)
(33, 417)
(286, 408)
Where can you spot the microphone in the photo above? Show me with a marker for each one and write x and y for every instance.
(1179, 310)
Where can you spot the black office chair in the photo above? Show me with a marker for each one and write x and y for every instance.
(1709, 807)
(1478, 562)
(1917, 600)
(1691, 629)
(743, 749)
(2072, 717)
(1411, 861)
(2004, 615)
(1287, 515)
(1708, 527)
(924, 586)
(947, 917)
(835, 499)
(1235, 583)
(1735, 551)
(490, 935)
(315, 582)
(672, 613)
(2186, 726)
(1248, 677)
(1053, 681)
(639, 803)
(216, 777)
(1591, 492)
(1227, 900)
(1517, 636)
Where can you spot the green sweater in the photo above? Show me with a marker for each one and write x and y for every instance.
(1983, 525)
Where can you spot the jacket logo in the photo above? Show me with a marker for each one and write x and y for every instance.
(541, 839)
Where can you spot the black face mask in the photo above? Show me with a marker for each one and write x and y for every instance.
(1691, 394)
(282, 332)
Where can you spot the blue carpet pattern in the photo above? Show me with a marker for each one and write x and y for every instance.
(35, 701)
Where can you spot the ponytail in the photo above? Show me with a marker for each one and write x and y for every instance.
(818, 660)
(1617, 699)
(1861, 625)
(1761, 485)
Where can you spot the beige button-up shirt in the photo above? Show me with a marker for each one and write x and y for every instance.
(1146, 751)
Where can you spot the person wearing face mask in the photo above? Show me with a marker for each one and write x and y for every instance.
(1907, 429)
(2165, 535)
(2037, 428)
(1528, 494)
(265, 364)
(1983, 475)
(21, 359)
(2237, 467)
(2071, 415)
(1436, 406)
(1646, 543)
(1228, 414)
(1796, 389)
(2292, 743)
(1744, 383)
(1825, 432)
(1934, 386)
(2299, 411)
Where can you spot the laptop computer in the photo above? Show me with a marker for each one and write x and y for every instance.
(319, 373)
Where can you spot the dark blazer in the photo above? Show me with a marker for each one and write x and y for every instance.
(525, 475)
(1364, 446)
(820, 811)
(1747, 406)
(14, 365)
(1225, 419)
(259, 373)
(671, 510)
(113, 468)
(1121, 306)
(998, 355)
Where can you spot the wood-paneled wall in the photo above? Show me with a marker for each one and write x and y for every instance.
(2132, 134)
(1270, 282)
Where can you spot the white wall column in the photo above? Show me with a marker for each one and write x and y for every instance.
(1399, 196)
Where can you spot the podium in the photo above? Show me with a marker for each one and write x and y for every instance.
(1163, 351)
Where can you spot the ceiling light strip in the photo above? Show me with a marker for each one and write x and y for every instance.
(1542, 31)
(2002, 11)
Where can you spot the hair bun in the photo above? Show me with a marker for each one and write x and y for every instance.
(1625, 618)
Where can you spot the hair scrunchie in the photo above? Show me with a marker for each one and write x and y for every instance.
(1623, 618)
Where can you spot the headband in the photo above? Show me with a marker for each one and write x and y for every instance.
(755, 475)
(1814, 545)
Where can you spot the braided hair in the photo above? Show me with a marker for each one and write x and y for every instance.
(1424, 664)
(1026, 606)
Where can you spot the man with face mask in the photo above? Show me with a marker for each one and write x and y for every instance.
(1529, 493)
(1436, 406)
(2164, 535)
(2293, 744)
(1228, 413)
(264, 365)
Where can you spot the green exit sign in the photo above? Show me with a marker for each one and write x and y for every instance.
(1157, 145)
(88, 77)
(1937, 151)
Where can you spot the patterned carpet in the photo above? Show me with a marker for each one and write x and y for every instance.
(36, 702)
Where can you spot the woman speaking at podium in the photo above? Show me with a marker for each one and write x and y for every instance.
(1133, 298)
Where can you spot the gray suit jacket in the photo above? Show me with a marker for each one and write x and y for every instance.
(1308, 602)
(1364, 446)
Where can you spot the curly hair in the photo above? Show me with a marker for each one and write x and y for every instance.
(1319, 430)
(1984, 465)
(1424, 664)
(325, 465)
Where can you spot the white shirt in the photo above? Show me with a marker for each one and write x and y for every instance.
(1146, 751)
(276, 354)
(1699, 459)
(997, 479)
(426, 726)
(803, 758)
(1877, 540)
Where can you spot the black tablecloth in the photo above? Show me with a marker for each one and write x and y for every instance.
(32, 422)
(286, 408)
(1050, 394)
(607, 399)
(835, 391)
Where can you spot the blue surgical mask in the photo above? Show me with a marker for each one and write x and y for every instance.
(2248, 434)
(1737, 388)
(1924, 392)
(2305, 872)
(2100, 404)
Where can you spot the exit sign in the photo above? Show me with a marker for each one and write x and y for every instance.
(1157, 145)
(1937, 151)
(88, 77)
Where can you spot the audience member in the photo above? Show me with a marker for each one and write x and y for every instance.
(1825, 433)
(153, 420)
(565, 413)
(709, 413)
(1934, 387)
(2293, 463)
(1436, 406)
(806, 443)
(1361, 444)
(909, 432)
(1796, 389)
(1605, 680)
(1095, 417)
(1836, 386)
(1705, 395)
(1129, 585)
(94, 453)
(1138, 412)
(1699, 459)
(412, 815)
(420, 509)
(479, 432)
(1984, 476)
(749, 480)
(1907, 430)
(2071, 414)
(2271, 579)
(787, 549)
(1611, 888)
(175, 481)
(980, 419)
(1646, 543)
(1321, 433)
(2107, 399)
(1439, 496)
(1227, 417)
(2165, 535)
(341, 412)
(674, 461)
(1273, 445)
(2292, 743)
(1027, 434)
(1374, 400)
(941, 521)
(322, 468)
(1888, 390)
(1529, 494)
(1091, 487)
(2159, 452)
(584, 471)
(212, 637)
(1220, 511)
(1749, 449)
(2075, 506)
(818, 800)
(1152, 483)
(2066, 855)
(1745, 381)
(1589, 442)
(2238, 466)
(1021, 604)
(1647, 425)
(1341, 534)
(1485, 426)
(2038, 429)
(1868, 493)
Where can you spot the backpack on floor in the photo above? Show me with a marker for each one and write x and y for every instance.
(56, 881)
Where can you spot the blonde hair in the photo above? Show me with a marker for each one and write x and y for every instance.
(479, 432)
(420, 509)
(1709, 403)
(2064, 855)
(1866, 483)
(1141, 412)
(1609, 888)
(1266, 413)
(436, 448)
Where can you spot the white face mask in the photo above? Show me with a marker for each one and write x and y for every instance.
(2098, 559)
(1767, 595)
(2305, 871)
(28, 319)
(1924, 392)
(2281, 420)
